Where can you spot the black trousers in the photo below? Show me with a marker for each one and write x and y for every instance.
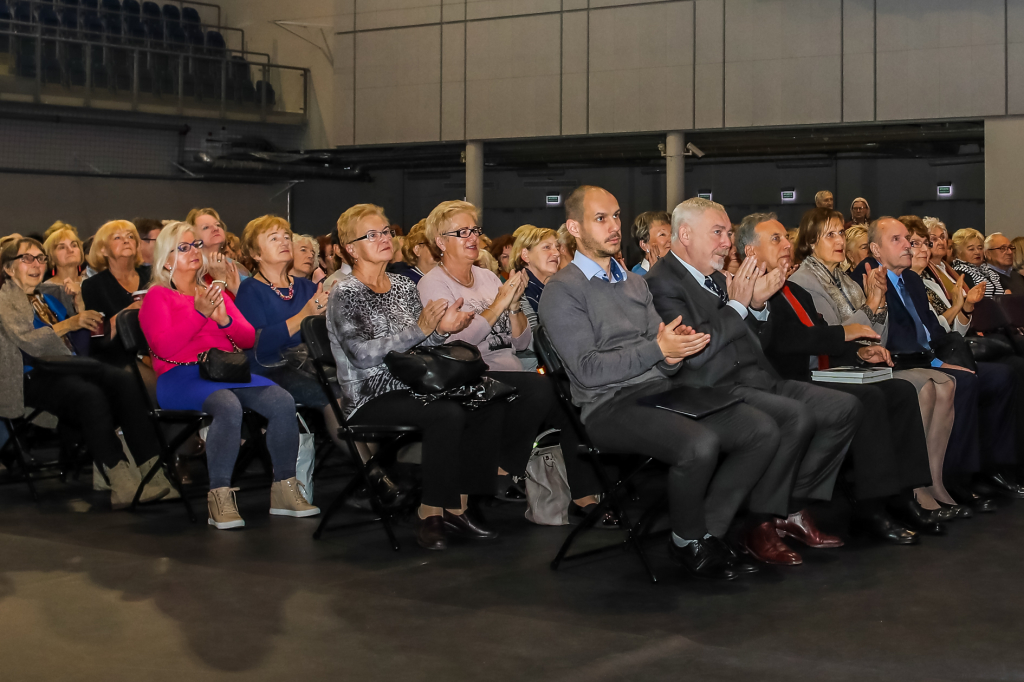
(714, 462)
(816, 425)
(889, 449)
(95, 405)
(983, 429)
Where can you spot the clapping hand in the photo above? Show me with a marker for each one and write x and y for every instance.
(431, 315)
(677, 341)
(741, 285)
(766, 286)
(876, 283)
(454, 319)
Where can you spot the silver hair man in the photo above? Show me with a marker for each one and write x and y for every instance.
(691, 208)
(746, 232)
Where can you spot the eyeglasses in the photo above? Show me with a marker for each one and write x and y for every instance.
(465, 232)
(185, 246)
(373, 235)
(1002, 249)
(28, 259)
(917, 244)
(148, 239)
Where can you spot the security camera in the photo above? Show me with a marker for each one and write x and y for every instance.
(694, 150)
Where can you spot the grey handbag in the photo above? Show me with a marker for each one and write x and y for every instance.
(547, 487)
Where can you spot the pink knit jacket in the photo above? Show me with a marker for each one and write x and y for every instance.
(177, 331)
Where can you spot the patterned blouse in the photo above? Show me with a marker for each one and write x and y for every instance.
(975, 275)
(364, 326)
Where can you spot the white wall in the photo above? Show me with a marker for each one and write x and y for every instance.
(1004, 169)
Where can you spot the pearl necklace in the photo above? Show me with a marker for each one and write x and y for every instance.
(471, 278)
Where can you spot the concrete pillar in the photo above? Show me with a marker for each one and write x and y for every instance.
(1004, 168)
(475, 175)
(675, 166)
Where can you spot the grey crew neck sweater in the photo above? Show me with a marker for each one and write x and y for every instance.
(606, 334)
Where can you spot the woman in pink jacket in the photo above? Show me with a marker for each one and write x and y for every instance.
(181, 318)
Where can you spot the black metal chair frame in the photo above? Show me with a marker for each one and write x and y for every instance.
(314, 334)
(15, 428)
(612, 489)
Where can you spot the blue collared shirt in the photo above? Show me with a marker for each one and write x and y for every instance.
(591, 269)
(761, 315)
(896, 280)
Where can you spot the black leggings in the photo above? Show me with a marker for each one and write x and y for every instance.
(95, 404)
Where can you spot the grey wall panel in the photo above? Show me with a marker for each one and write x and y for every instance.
(1015, 56)
(490, 9)
(1004, 167)
(858, 60)
(513, 77)
(596, 4)
(344, 81)
(940, 58)
(453, 10)
(574, 73)
(783, 62)
(393, 13)
(709, 83)
(570, 5)
(344, 15)
(453, 87)
(641, 68)
(398, 78)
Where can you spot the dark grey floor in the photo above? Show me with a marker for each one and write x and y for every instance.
(88, 594)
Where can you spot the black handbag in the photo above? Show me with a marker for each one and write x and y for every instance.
(219, 365)
(437, 369)
(990, 347)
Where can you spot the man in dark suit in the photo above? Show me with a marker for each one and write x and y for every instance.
(816, 423)
(890, 449)
(983, 402)
(999, 261)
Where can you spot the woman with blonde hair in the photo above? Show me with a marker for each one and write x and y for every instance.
(969, 261)
(856, 238)
(417, 260)
(213, 233)
(182, 318)
(65, 255)
(535, 252)
(566, 246)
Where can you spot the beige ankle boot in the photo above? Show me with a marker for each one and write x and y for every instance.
(158, 485)
(124, 481)
(286, 499)
(223, 509)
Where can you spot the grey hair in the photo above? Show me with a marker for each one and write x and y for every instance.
(931, 222)
(746, 232)
(990, 237)
(691, 208)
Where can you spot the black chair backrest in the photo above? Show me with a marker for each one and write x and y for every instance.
(130, 332)
(318, 341)
(551, 362)
(1012, 307)
(546, 352)
(988, 316)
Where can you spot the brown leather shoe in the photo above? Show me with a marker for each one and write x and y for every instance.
(763, 543)
(430, 533)
(800, 526)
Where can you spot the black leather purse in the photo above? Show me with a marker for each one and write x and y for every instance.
(437, 369)
(989, 347)
(219, 365)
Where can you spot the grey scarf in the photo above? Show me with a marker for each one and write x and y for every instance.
(847, 297)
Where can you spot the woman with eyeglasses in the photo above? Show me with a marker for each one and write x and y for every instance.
(182, 318)
(275, 303)
(500, 329)
(34, 326)
(953, 308)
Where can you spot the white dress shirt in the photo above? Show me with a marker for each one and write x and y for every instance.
(761, 315)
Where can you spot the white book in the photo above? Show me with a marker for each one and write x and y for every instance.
(852, 375)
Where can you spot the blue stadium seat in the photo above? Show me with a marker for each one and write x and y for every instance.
(215, 43)
(155, 33)
(111, 6)
(190, 15)
(196, 38)
(23, 14)
(172, 14)
(5, 25)
(69, 3)
(131, 7)
(134, 30)
(89, 4)
(151, 11)
(176, 37)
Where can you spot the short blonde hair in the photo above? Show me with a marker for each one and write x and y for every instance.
(166, 247)
(347, 222)
(252, 232)
(527, 237)
(59, 225)
(55, 237)
(962, 236)
(439, 219)
(97, 261)
(566, 240)
(194, 214)
(1018, 252)
(417, 237)
(853, 233)
(486, 260)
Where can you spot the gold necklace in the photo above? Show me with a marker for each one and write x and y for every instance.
(471, 279)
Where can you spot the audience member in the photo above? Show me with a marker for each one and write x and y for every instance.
(816, 424)
(499, 328)
(182, 317)
(65, 256)
(36, 326)
(114, 256)
(501, 249)
(617, 350)
(983, 401)
(233, 246)
(999, 263)
(305, 263)
(856, 246)
(969, 260)
(57, 225)
(417, 260)
(942, 257)
(149, 230)
(824, 199)
(535, 252)
(1018, 255)
(860, 212)
(652, 230)
(890, 450)
(566, 247)
(953, 308)
(211, 232)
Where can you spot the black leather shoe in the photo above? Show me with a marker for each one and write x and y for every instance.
(608, 521)
(959, 511)
(980, 504)
(910, 514)
(880, 526)
(738, 560)
(385, 487)
(430, 533)
(469, 525)
(989, 485)
(508, 490)
(700, 560)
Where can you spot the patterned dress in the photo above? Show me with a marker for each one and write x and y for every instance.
(364, 326)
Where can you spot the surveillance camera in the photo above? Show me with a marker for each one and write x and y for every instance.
(694, 149)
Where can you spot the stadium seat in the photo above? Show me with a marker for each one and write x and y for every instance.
(151, 12)
(271, 95)
(111, 6)
(131, 7)
(172, 15)
(5, 25)
(215, 44)
(190, 15)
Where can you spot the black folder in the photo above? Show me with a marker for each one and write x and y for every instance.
(695, 403)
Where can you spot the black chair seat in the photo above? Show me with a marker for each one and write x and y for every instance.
(379, 434)
(180, 416)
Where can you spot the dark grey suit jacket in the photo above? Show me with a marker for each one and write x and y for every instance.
(734, 356)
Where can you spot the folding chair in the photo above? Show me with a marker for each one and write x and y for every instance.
(314, 333)
(15, 429)
(190, 421)
(612, 490)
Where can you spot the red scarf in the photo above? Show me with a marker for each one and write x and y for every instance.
(805, 318)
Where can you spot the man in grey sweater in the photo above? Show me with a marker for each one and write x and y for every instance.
(616, 350)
